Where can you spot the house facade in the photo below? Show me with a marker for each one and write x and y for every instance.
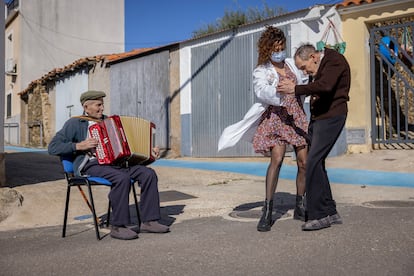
(373, 108)
(41, 35)
(52, 99)
(135, 83)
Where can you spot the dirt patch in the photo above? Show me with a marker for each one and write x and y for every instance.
(9, 200)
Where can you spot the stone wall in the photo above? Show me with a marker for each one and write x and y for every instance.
(38, 117)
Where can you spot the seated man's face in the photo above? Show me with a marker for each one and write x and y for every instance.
(94, 108)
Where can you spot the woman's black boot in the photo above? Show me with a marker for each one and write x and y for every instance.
(299, 212)
(265, 222)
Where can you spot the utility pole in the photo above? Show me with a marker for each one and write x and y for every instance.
(2, 104)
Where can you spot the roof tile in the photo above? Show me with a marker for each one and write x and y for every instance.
(56, 72)
(347, 3)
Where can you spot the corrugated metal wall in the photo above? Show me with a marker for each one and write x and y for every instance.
(222, 91)
(140, 87)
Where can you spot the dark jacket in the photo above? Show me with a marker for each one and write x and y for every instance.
(330, 89)
(74, 130)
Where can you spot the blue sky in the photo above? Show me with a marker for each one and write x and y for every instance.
(161, 22)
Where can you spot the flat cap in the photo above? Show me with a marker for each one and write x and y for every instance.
(91, 95)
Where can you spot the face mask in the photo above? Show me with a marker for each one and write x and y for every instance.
(278, 56)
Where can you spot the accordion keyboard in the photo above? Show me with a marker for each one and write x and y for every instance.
(100, 153)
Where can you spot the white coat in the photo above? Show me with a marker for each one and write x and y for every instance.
(265, 80)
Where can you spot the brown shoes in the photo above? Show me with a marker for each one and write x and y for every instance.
(131, 232)
(153, 227)
(123, 233)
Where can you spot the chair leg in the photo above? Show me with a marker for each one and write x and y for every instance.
(65, 217)
(95, 219)
(136, 205)
(108, 214)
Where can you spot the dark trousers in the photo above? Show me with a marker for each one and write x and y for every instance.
(121, 185)
(323, 135)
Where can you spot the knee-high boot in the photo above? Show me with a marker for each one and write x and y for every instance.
(265, 222)
(299, 212)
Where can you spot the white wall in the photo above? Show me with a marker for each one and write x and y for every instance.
(311, 29)
(185, 80)
(68, 93)
(56, 33)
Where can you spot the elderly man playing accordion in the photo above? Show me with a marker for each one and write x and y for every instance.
(74, 140)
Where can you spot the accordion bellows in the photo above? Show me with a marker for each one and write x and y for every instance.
(124, 139)
(140, 134)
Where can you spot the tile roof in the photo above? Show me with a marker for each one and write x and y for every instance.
(347, 3)
(114, 57)
(82, 62)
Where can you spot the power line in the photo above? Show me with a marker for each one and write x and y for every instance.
(51, 60)
(69, 35)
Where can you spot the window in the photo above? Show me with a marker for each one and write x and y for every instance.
(9, 105)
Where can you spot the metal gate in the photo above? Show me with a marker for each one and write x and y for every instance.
(392, 84)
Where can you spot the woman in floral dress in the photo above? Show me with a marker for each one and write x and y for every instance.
(281, 124)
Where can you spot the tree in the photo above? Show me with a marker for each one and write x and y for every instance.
(233, 19)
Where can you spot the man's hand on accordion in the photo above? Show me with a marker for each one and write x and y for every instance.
(87, 144)
(156, 152)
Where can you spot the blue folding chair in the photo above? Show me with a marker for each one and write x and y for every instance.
(89, 181)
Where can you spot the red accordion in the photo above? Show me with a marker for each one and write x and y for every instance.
(112, 142)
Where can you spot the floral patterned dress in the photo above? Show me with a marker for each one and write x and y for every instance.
(282, 125)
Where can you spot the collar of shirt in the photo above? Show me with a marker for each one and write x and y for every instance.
(322, 54)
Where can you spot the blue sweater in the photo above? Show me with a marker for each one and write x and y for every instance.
(74, 130)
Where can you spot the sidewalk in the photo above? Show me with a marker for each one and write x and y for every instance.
(207, 187)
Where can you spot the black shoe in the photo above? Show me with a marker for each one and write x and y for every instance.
(265, 222)
(299, 212)
(316, 224)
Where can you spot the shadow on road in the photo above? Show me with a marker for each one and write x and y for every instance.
(25, 168)
(282, 203)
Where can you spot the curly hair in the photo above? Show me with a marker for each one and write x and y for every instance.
(265, 44)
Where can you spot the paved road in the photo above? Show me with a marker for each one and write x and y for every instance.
(371, 242)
